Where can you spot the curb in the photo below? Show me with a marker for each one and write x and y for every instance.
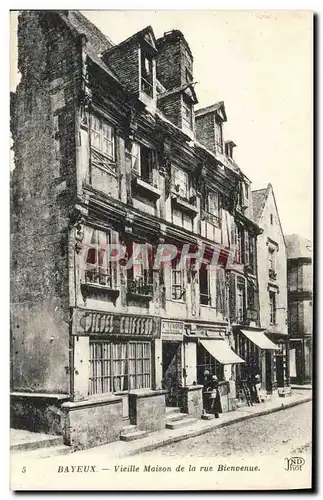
(209, 428)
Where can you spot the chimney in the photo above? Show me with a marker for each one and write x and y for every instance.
(174, 70)
(209, 126)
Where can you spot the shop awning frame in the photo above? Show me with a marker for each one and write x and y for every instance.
(259, 339)
(221, 351)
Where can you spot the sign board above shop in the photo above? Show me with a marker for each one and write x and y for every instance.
(172, 330)
(100, 323)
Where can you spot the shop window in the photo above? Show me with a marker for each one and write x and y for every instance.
(204, 361)
(102, 137)
(147, 82)
(99, 268)
(180, 182)
(122, 366)
(272, 307)
(204, 279)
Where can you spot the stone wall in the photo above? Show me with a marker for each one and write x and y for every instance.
(147, 409)
(93, 422)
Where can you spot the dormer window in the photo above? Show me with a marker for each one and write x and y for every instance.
(187, 114)
(218, 137)
(147, 73)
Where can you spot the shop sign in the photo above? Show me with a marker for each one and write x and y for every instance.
(172, 330)
(98, 323)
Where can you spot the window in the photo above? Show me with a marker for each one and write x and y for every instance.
(252, 256)
(218, 137)
(121, 366)
(246, 190)
(272, 307)
(142, 160)
(103, 137)
(147, 73)
(204, 278)
(204, 361)
(177, 280)
(187, 114)
(139, 276)
(240, 302)
(271, 219)
(239, 245)
(180, 182)
(272, 264)
(213, 209)
(98, 269)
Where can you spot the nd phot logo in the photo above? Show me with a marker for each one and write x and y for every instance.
(294, 463)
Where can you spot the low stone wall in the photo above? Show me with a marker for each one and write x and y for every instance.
(224, 391)
(192, 400)
(147, 409)
(37, 412)
(92, 422)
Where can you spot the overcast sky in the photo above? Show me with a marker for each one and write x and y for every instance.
(260, 65)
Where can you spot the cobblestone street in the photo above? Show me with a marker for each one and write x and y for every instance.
(285, 432)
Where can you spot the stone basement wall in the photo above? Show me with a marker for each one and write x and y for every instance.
(147, 409)
(37, 413)
(93, 422)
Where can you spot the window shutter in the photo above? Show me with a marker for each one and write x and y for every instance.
(220, 290)
(232, 297)
(246, 248)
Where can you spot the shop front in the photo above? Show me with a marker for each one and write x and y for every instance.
(259, 353)
(172, 333)
(113, 363)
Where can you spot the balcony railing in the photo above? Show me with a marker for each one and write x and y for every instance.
(272, 274)
(140, 286)
(212, 219)
(97, 277)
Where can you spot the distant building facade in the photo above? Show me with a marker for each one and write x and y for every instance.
(300, 311)
(272, 281)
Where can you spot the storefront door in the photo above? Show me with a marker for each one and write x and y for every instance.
(269, 383)
(172, 371)
(280, 370)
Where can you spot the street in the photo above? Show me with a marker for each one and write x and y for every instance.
(285, 432)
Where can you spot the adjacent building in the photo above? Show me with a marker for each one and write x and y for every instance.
(272, 282)
(113, 166)
(300, 312)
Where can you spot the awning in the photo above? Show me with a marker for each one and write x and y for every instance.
(260, 340)
(221, 351)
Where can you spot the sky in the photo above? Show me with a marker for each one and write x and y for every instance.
(260, 65)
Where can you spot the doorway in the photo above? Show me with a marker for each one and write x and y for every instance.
(280, 371)
(172, 367)
(269, 382)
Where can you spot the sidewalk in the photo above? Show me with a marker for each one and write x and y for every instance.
(119, 449)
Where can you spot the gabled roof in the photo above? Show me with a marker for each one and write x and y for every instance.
(146, 35)
(216, 108)
(298, 247)
(82, 25)
(259, 200)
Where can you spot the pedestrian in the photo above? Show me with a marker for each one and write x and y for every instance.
(215, 403)
(206, 384)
